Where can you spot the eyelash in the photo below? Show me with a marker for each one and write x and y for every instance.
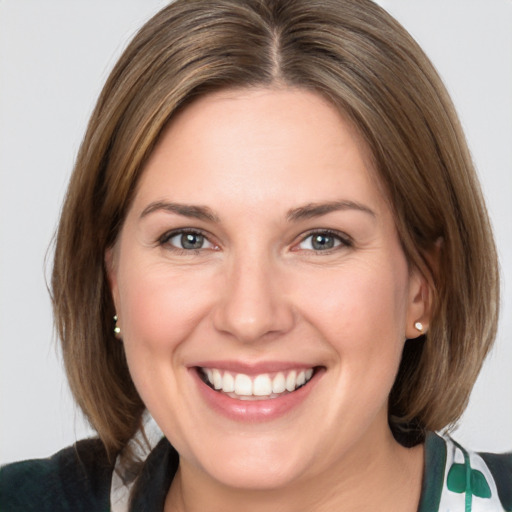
(344, 240)
(166, 237)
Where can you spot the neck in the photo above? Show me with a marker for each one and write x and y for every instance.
(377, 476)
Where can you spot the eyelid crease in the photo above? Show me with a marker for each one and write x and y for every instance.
(346, 240)
(173, 232)
(165, 237)
(163, 243)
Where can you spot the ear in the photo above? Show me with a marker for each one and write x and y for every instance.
(419, 305)
(421, 293)
(110, 268)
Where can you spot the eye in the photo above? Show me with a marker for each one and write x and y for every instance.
(323, 241)
(186, 240)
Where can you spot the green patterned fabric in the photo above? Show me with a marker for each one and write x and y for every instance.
(78, 479)
(457, 479)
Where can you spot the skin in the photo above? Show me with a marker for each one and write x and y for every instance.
(257, 291)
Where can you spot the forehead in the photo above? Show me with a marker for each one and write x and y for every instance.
(260, 145)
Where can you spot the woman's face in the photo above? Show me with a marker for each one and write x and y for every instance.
(260, 256)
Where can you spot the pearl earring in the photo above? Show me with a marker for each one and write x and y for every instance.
(117, 329)
(418, 326)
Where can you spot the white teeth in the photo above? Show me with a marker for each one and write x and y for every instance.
(244, 387)
(262, 385)
(291, 380)
(228, 383)
(217, 379)
(279, 383)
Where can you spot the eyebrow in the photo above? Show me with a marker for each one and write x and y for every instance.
(311, 210)
(307, 211)
(186, 210)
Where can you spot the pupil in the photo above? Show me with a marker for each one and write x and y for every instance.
(191, 241)
(323, 242)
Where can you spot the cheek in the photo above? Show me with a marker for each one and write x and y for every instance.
(359, 297)
(361, 312)
(160, 310)
(160, 307)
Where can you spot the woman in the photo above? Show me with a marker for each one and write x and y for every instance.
(266, 244)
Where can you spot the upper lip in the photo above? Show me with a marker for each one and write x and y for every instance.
(254, 368)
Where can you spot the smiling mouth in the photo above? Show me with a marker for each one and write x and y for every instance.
(263, 386)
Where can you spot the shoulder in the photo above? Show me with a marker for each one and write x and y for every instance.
(458, 476)
(74, 479)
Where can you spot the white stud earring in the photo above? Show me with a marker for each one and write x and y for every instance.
(418, 326)
(117, 329)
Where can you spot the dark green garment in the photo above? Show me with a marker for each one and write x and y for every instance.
(75, 479)
(78, 479)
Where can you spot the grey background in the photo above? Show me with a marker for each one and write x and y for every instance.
(54, 58)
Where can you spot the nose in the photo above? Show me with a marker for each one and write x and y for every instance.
(253, 305)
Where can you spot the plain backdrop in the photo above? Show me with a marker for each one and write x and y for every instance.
(54, 58)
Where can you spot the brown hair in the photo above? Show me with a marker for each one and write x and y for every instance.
(356, 55)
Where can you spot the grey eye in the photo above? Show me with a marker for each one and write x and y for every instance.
(320, 242)
(189, 241)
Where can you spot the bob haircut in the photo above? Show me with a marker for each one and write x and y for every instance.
(365, 63)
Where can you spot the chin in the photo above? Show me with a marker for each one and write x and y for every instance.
(255, 474)
(259, 463)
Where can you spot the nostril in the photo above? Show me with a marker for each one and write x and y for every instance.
(250, 320)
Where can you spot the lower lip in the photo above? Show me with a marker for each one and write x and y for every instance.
(253, 411)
